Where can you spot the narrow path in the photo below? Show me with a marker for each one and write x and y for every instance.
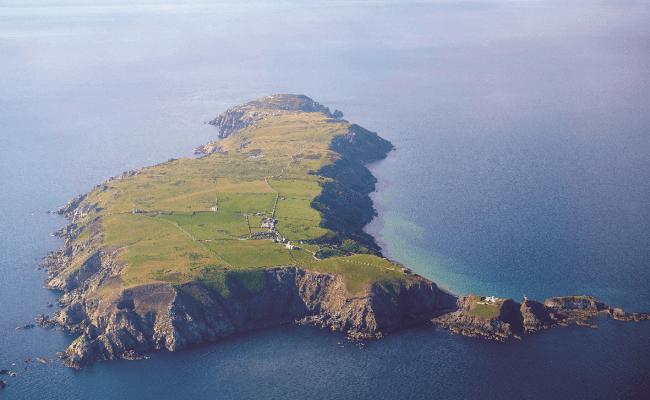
(294, 260)
(277, 197)
(368, 264)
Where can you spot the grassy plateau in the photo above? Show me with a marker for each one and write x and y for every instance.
(204, 219)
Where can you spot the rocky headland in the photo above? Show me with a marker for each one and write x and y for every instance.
(499, 319)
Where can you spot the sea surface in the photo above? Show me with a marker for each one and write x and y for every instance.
(522, 168)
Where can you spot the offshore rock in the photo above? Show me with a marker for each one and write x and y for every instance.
(620, 315)
(578, 303)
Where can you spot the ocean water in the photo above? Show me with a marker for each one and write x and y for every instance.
(521, 168)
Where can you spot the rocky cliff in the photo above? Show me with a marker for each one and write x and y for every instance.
(156, 316)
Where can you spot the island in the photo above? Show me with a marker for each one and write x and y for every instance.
(264, 228)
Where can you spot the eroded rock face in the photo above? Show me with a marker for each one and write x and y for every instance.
(79, 353)
(160, 316)
(536, 316)
(344, 202)
(76, 278)
(620, 315)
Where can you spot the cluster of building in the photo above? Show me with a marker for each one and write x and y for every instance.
(263, 235)
(268, 223)
(279, 239)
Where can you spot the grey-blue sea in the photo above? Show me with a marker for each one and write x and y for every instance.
(521, 168)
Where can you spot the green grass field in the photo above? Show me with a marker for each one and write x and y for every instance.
(251, 253)
(359, 270)
(211, 225)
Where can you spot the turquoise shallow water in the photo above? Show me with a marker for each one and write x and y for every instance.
(520, 169)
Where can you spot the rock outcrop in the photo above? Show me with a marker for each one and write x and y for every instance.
(208, 148)
(536, 316)
(500, 326)
(245, 115)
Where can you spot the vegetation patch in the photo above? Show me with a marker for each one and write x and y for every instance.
(329, 253)
(214, 276)
(239, 283)
(211, 225)
(251, 253)
(251, 279)
(386, 296)
(360, 270)
(354, 247)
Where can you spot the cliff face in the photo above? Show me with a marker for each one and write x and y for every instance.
(345, 202)
(159, 316)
